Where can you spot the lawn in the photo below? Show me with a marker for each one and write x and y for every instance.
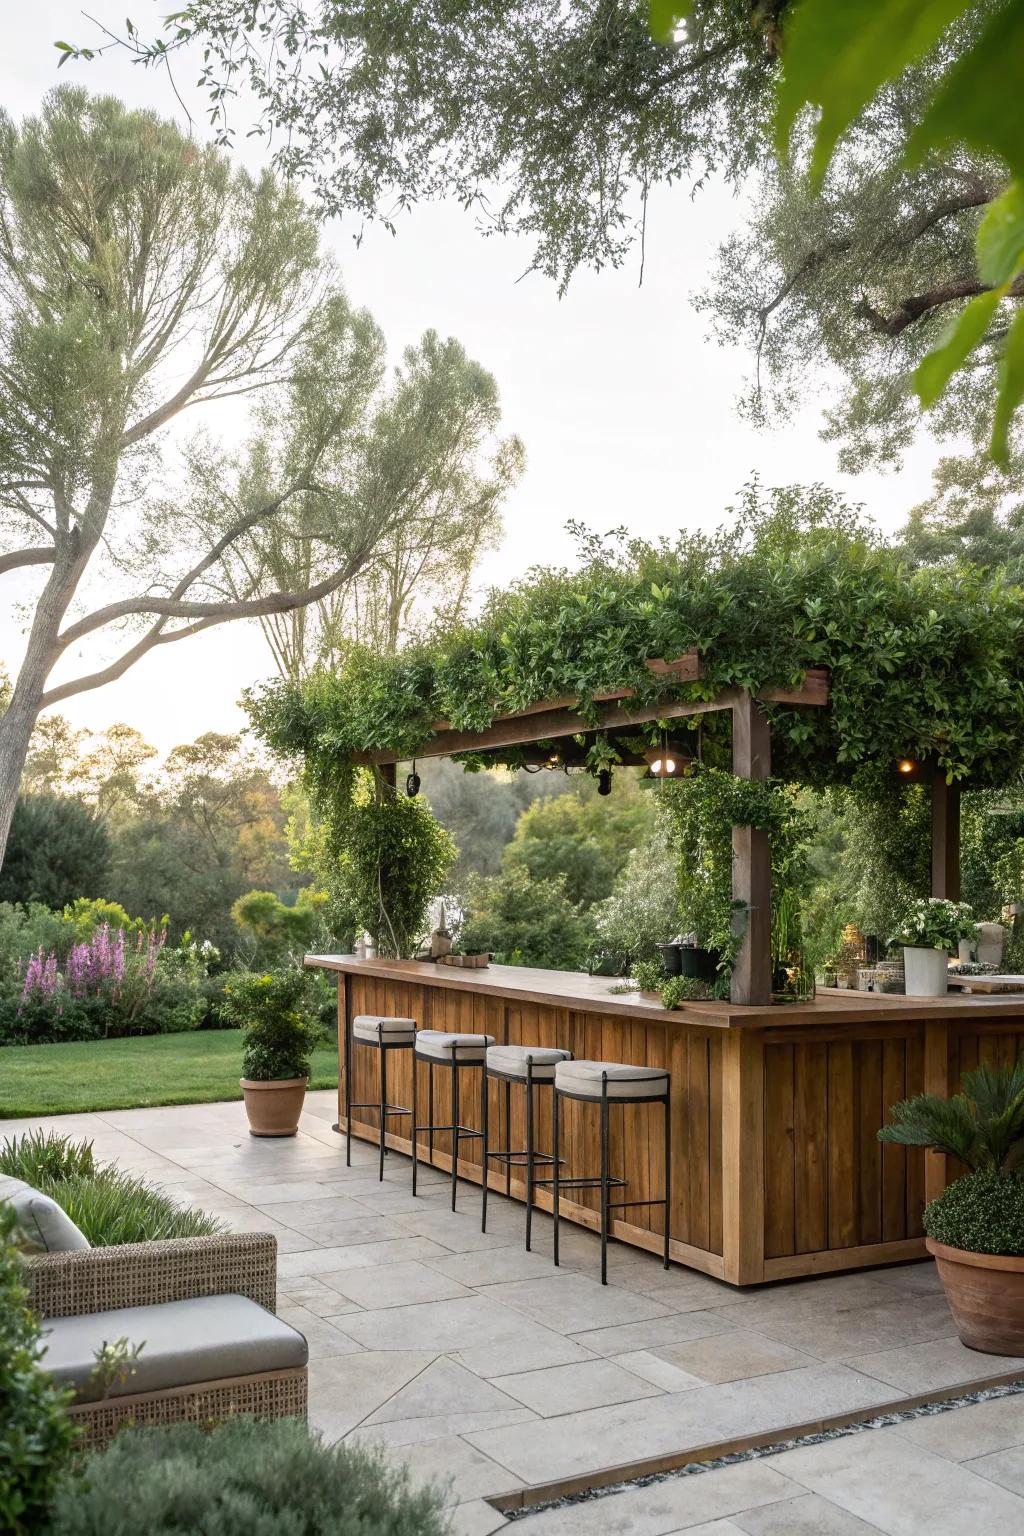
(192, 1068)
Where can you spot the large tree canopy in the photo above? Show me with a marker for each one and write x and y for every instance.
(555, 121)
(547, 119)
(141, 276)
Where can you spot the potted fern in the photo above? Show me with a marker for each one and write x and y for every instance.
(975, 1228)
(277, 1012)
(932, 927)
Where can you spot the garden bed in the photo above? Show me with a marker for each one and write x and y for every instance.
(194, 1068)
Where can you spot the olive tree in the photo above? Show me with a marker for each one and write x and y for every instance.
(141, 276)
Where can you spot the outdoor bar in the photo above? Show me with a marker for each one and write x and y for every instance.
(776, 1169)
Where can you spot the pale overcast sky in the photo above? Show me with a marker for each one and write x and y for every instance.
(626, 409)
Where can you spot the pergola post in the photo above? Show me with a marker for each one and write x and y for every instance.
(945, 838)
(752, 859)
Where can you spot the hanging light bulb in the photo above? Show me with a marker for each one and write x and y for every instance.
(906, 766)
(604, 781)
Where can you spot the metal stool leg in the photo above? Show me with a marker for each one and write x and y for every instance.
(415, 1127)
(348, 1092)
(508, 1139)
(554, 1171)
(529, 1153)
(383, 1103)
(430, 1109)
(604, 1182)
(485, 1123)
(455, 1127)
(668, 1172)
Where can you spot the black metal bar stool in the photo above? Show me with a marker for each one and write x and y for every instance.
(606, 1083)
(454, 1052)
(530, 1066)
(380, 1033)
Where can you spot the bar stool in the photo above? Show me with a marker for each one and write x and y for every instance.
(531, 1066)
(607, 1083)
(438, 1048)
(382, 1034)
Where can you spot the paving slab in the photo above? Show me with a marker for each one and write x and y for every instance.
(445, 1344)
(901, 1489)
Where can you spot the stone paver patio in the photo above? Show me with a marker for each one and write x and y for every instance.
(476, 1362)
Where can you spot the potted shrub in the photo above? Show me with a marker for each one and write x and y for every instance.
(281, 1025)
(932, 927)
(975, 1228)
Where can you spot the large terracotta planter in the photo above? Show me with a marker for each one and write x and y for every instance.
(274, 1108)
(985, 1292)
(926, 971)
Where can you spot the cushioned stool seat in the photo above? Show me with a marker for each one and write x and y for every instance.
(438, 1044)
(514, 1061)
(586, 1079)
(370, 1027)
(205, 1338)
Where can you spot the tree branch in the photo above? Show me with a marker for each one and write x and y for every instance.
(216, 612)
(155, 636)
(913, 308)
(39, 555)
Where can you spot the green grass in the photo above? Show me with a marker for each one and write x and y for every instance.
(195, 1068)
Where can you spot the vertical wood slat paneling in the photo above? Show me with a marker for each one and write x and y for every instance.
(870, 1113)
(697, 1140)
(779, 1170)
(842, 1169)
(810, 1147)
(895, 1211)
(715, 1142)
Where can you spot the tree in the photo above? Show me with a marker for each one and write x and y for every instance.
(857, 282)
(522, 921)
(140, 276)
(547, 120)
(57, 851)
(581, 838)
(574, 113)
(208, 827)
(431, 459)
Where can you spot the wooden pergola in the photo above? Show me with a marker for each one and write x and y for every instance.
(558, 719)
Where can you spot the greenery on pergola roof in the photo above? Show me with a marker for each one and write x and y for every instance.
(922, 663)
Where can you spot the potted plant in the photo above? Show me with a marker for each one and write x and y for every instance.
(931, 927)
(975, 1228)
(281, 1026)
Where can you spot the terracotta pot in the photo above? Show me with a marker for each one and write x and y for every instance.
(274, 1108)
(985, 1292)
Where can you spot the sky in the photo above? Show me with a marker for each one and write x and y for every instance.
(626, 408)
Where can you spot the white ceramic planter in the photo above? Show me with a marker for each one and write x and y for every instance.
(926, 971)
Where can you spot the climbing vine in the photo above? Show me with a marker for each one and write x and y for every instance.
(922, 662)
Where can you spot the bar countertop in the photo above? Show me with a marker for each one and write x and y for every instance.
(581, 993)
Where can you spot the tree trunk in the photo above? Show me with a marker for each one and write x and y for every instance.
(18, 723)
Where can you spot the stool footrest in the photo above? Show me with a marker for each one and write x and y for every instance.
(594, 1183)
(389, 1109)
(463, 1130)
(522, 1159)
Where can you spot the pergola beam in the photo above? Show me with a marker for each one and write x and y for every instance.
(554, 719)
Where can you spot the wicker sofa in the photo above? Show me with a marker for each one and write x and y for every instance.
(258, 1361)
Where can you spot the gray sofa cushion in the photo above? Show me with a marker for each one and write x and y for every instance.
(202, 1339)
(45, 1228)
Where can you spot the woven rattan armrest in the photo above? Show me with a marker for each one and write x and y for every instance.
(142, 1274)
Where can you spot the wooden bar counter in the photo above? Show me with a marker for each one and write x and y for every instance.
(777, 1170)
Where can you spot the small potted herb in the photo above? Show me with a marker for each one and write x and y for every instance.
(930, 929)
(277, 1011)
(975, 1228)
